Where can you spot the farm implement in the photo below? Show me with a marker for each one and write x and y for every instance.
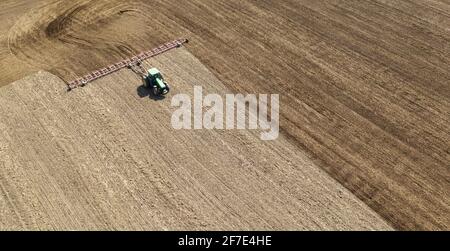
(151, 79)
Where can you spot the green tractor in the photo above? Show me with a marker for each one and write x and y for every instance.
(155, 81)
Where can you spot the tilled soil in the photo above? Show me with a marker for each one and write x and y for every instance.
(106, 157)
(365, 84)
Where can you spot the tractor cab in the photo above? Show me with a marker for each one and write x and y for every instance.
(155, 81)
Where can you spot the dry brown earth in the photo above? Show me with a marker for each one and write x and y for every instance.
(105, 157)
(365, 83)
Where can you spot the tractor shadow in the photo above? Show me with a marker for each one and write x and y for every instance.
(145, 92)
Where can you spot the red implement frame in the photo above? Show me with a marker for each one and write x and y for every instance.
(125, 63)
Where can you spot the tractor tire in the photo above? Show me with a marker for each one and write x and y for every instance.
(156, 91)
(167, 89)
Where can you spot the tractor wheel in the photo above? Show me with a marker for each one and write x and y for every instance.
(167, 89)
(156, 91)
